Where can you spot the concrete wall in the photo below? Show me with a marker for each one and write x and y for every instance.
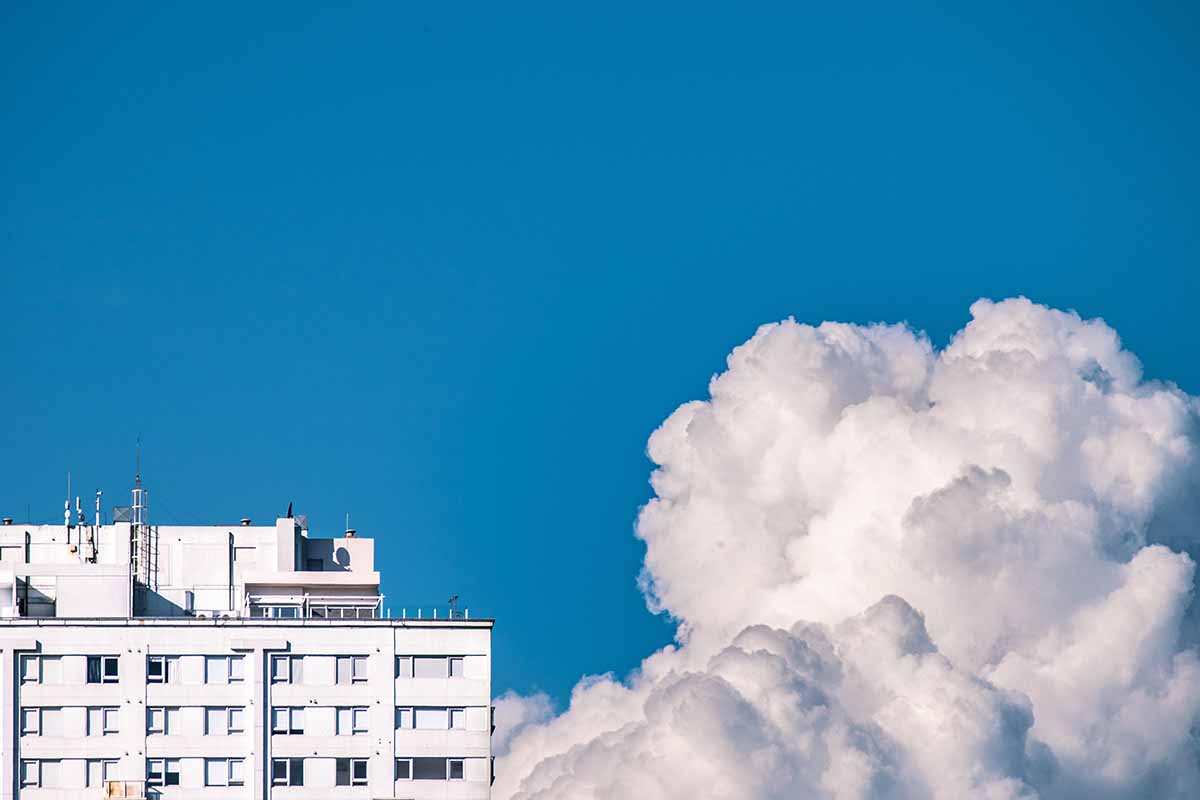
(318, 692)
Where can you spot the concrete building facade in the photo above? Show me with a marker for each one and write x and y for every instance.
(233, 661)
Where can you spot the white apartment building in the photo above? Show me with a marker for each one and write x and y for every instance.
(228, 661)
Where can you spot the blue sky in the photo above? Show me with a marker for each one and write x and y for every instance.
(446, 267)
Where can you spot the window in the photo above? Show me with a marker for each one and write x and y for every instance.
(162, 669)
(351, 772)
(287, 721)
(429, 769)
(30, 719)
(275, 612)
(287, 771)
(102, 669)
(352, 721)
(287, 669)
(224, 772)
(162, 771)
(43, 773)
(430, 719)
(224, 669)
(99, 771)
(41, 669)
(221, 721)
(102, 721)
(351, 669)
(164, 720)
(430, 666)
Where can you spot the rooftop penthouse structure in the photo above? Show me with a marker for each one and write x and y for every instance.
(228, 661)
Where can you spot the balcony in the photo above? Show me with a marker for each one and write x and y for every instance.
(311, 606)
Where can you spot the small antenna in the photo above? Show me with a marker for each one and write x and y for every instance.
(453, 603)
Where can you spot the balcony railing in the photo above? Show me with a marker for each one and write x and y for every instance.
(315, 607)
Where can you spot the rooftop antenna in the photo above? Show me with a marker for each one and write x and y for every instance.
(453, 603)
(67, 506)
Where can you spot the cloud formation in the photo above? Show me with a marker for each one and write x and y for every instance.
(906, 573)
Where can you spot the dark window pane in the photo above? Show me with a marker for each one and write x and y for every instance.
(403, 770)
(429, 769)
(297, 772)
(456, 768)
(93, 669)
(343, 772)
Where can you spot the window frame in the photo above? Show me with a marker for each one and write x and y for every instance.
(450, 714)
(289, 727)
(31, 662)
(289, 771)
(167, 726)
(230, 778)
(169, 666)
(412, 718)
(293, 668)
(102, 664)
(109, 717)
(351, 764)
(356, 670)
(165, 771)
(27, 767)
(34, 712)
(232, 674)
(105, 764)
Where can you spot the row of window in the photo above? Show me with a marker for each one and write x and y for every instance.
(231, 720)
(353, 771)
(106, 669)
(98, 721)
(231, 669)
(50, 774)
(218, 720)
(217, 669)
(217, 771)
(347, 669)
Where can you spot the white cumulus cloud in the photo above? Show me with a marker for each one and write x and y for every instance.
(900, 572)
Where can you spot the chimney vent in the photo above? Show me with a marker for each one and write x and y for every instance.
(350, 533)
(8, 520)
(245, 522)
